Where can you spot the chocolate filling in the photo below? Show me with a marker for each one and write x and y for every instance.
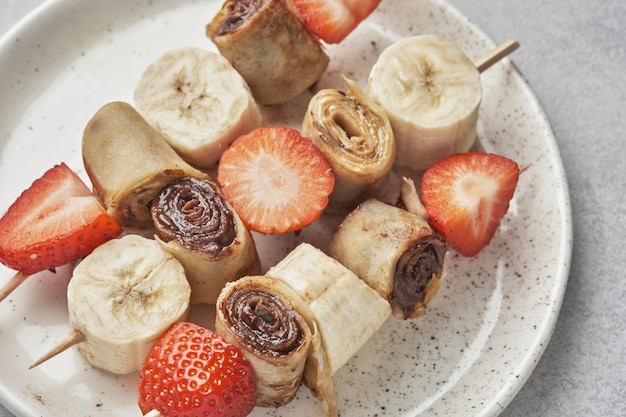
(238, 12)
(263, 320)
(193, 212)
(415, 270)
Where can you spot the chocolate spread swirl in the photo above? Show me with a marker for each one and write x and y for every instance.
(238, 12)
(193, 212)
(263, 320)
(421, 263)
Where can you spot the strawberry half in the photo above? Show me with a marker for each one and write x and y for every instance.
(192, 371)
(275, 179)
(55, 221)
(466, 195)
(333, 20)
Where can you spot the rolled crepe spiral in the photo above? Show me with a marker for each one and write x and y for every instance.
(192, 211)
(198, 226)
(266, 320)
(395, 252)
(269, 46)
(356, 137)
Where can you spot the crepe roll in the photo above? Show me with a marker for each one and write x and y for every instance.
(356, 137)
(265, 319)
(395, 252)
(128, 163)
(198, 226)
(269, 46)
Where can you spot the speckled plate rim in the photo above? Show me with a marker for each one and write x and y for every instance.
(16, 402)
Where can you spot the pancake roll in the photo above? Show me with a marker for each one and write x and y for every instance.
(395, 252)
(269, 46)
(274, 329)
(198, 226)
(128, 163)
(356, 137)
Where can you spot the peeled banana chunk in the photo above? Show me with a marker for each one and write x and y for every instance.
(198, 102)
(431, 92)
(122, 297)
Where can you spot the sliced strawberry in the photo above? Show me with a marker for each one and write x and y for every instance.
(333, 20)
(466, 195)
(55, 221)
(275, 179)
(192, 371)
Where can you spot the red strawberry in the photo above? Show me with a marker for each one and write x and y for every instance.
(333, 20)
(466, 195)
(192, 371)
(275, 179)
(55, 221)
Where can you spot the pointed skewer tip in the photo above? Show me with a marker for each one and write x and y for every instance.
(15, 281)
(74, 338)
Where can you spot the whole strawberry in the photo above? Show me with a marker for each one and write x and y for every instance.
(192, 371)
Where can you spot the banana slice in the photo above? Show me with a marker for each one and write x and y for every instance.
(346, 310)
(198, 102)
(121, 298)
(431, 92)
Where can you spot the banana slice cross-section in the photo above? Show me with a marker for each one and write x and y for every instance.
(121, 298)
(431, 92)
(198, 102)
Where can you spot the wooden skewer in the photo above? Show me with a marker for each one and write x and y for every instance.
(153, 413)
(15, 281)
(496, 54)
(70, 340)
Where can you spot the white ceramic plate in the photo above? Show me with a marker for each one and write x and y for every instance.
(486, 328)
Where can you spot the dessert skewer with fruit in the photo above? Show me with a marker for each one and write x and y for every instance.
(56, 221)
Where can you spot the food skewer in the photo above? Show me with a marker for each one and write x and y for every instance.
(15, 281)
(496, 54)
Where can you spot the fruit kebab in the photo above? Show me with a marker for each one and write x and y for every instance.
(431, 92)
(55, 221)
